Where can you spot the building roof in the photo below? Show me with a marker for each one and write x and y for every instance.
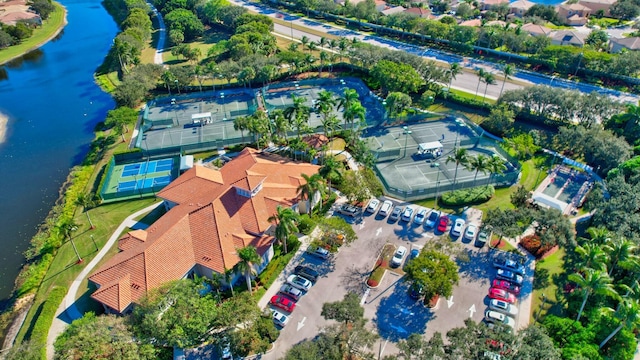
(493, 2)
(422, 12)
(217, 212)
(13, 18)
(472, 22)
(574, 7)
(603, 2)
(535, 29)
(316, 141)
(568, 37)
(631, 43)
(392, 10)
(521, 4)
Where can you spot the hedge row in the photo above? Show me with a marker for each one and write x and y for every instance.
(471, 196)
(48, 309)
(277, 264)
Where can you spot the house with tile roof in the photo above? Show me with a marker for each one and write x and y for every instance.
(573, 14)
(597, 5)
(617, 44)
(567, 37)
(421, 12)
(487, 4)
(210, 214)
(15, 11)
(520, 7)
(536, 30)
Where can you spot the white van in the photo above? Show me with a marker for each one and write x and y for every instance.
(385, 208)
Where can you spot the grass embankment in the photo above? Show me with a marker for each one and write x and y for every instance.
(49, 29)
(545, 283)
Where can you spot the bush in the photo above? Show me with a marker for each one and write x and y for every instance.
(45, 318)
(470, 196)
(534, 246)
(376, 276)
(306, 224)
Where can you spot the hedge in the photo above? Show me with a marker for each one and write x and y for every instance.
(306, 224)
(476, 195)
(40, 329)
(277, 264)
(376, 276)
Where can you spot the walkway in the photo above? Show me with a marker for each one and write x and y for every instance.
(67, 311)
(162, 38)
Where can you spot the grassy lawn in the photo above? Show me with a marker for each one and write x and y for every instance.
(40, 36)
(544, 284)
(446, 107)
(472, 96)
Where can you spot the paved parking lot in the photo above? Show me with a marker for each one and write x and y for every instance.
(392, 313)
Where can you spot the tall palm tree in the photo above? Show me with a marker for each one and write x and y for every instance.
(313, 184)
(213, 71)
(305, 41)
(228, 277)
(241, 123)
(628, 314)
(488, 79)
(599, 235)
(508, 71)
(622, 253)
(454, 70)
(592, 257)
(87, 203)
(324, 57)
(65, 230)
(481, 75)
(325, 104)
(479, 163)
(329, 125)
(286, 220)
(496, 166)
(349, 97)
(353, 112)
(248, 257)
(298, 113)
(593, 282)
(323, 42)
(343, 46)
(281, 125)
(460, 157)
(330, 169)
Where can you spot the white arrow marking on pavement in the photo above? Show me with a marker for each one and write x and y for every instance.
(450, 302)
(362, 225)
(301, 323)
(378, 231)
(472, 310)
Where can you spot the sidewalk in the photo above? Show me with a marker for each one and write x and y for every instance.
(67, 311)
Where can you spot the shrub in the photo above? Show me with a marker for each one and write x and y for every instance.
(376, 276)
(306, 224)
(470, 196)
(533, 245)
(45, 319)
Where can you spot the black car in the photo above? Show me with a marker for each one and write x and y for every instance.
(416, 291)
(306, 272)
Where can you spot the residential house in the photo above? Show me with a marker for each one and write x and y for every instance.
(573, 14)
(424, 13)
(210, 214)
(597, 5)
(471, 23)
(487, 4)
(392, 10)
(617, 44)
(536, 30)
(381, 5)
(520, 7)
(15, 11)
(567, 37)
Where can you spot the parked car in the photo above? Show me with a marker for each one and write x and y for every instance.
(443, 223)
(385, 208)
(279, 318)
(225, 350)
(319, 252)
(306, 272)
(505, 285)
(503, 307)
(496, 317)
(414, 254)
(299, 282)
(291, 292)
(471, 232)
(396, 213)
(508, 264)
(420, 215)
(398, 256)
(457, 227)
(407, 214)
(503, 295)
(432, 219)
(416, 291)
(482, 238)
(349, 210)
(283, 303)
(509, 276)
(373, 205)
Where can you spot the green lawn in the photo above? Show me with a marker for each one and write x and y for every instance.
(472, 96)
(544, 285)
(41, 35)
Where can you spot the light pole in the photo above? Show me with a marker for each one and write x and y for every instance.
(224, 109)
(73, 244)
(94, 242)
(437, 166)
(579, 62)
(406, 132)
(177, 86)
(384, 105)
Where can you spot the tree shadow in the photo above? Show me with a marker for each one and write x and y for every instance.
(354, 279)
(542, 279)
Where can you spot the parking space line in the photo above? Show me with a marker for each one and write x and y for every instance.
(364, 297)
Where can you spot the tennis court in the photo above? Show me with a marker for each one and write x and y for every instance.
(143, 183)
(147, 167)
(138, 179)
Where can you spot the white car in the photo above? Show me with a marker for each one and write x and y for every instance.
(291, 291)
(471, 232)
(503, 307)
(373, 205)
(398, 256)
(319, 252)
(407, 214)
(279, 318)
(299, 282)
(457, 227)
(496, 317)
(420, 215)
(483, 237)
(385, 208)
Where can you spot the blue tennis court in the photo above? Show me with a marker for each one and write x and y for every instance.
(143, 183)
(131, 169)
(147, 167)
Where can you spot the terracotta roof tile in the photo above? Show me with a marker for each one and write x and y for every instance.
(132, 239)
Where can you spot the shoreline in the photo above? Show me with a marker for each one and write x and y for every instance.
(45, 41)
(4, 121)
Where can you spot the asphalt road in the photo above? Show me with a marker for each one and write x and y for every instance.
(468, 81)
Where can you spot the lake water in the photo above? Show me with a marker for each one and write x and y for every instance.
(53, 105)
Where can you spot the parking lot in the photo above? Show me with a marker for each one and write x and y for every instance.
(392, 313)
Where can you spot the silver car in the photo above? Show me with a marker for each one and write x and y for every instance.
(299, 282)
(503, 307)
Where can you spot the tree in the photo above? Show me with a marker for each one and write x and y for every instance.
(479, 163)
(628, 314)
(286, 220)
(488, 79)
(42, 7)
(86, 201)
(393, 76)
(593, 282)
(496, 166)
(460, 157)
(435, 272)
(241, 123)
(325, 105)
(622, 253)
(520, 197)
(553, 228)
(625, 10)
(353, 112)
(280, 124)
(591, 257)
(248, 257)
(397, 102)
(65, 229)
(454, 70)
(312, 185)
(348, 310)
(500, 121)
(186, 21)
(298, 113)
(101, 337)
(508, 71)
(597, 39)
(416, 348)
(121, 117)
(481, 74)
(331, 170)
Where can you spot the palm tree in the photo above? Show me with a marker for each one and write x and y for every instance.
(168, 79)
(87, 203)
(353, 112)
(312, 46)
(349, 97)
(286, 220)
(460, 157)
(481, 75)
(599, 235)
(248, 256)
(592, 257)
(454, 70)
(496, 166)
(330, 169)
(325, 103)
(65, 229)
(305, 41)
(621, 253)
(313, 184)
(593, 282)
(508, 71)
(343, 46)
(329, 125)
(324, 56)
(628, 314)
(228, 277)
(241, 123)
(488, 79)
(199, 72)
(213, 71)
(280, 123)
(479, 163)
(298, 113)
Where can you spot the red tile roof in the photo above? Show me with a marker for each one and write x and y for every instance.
(209, 221)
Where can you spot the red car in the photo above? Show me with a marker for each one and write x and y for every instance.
(443, 223)
(505, 285)
(283, 303)
(501, 294)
